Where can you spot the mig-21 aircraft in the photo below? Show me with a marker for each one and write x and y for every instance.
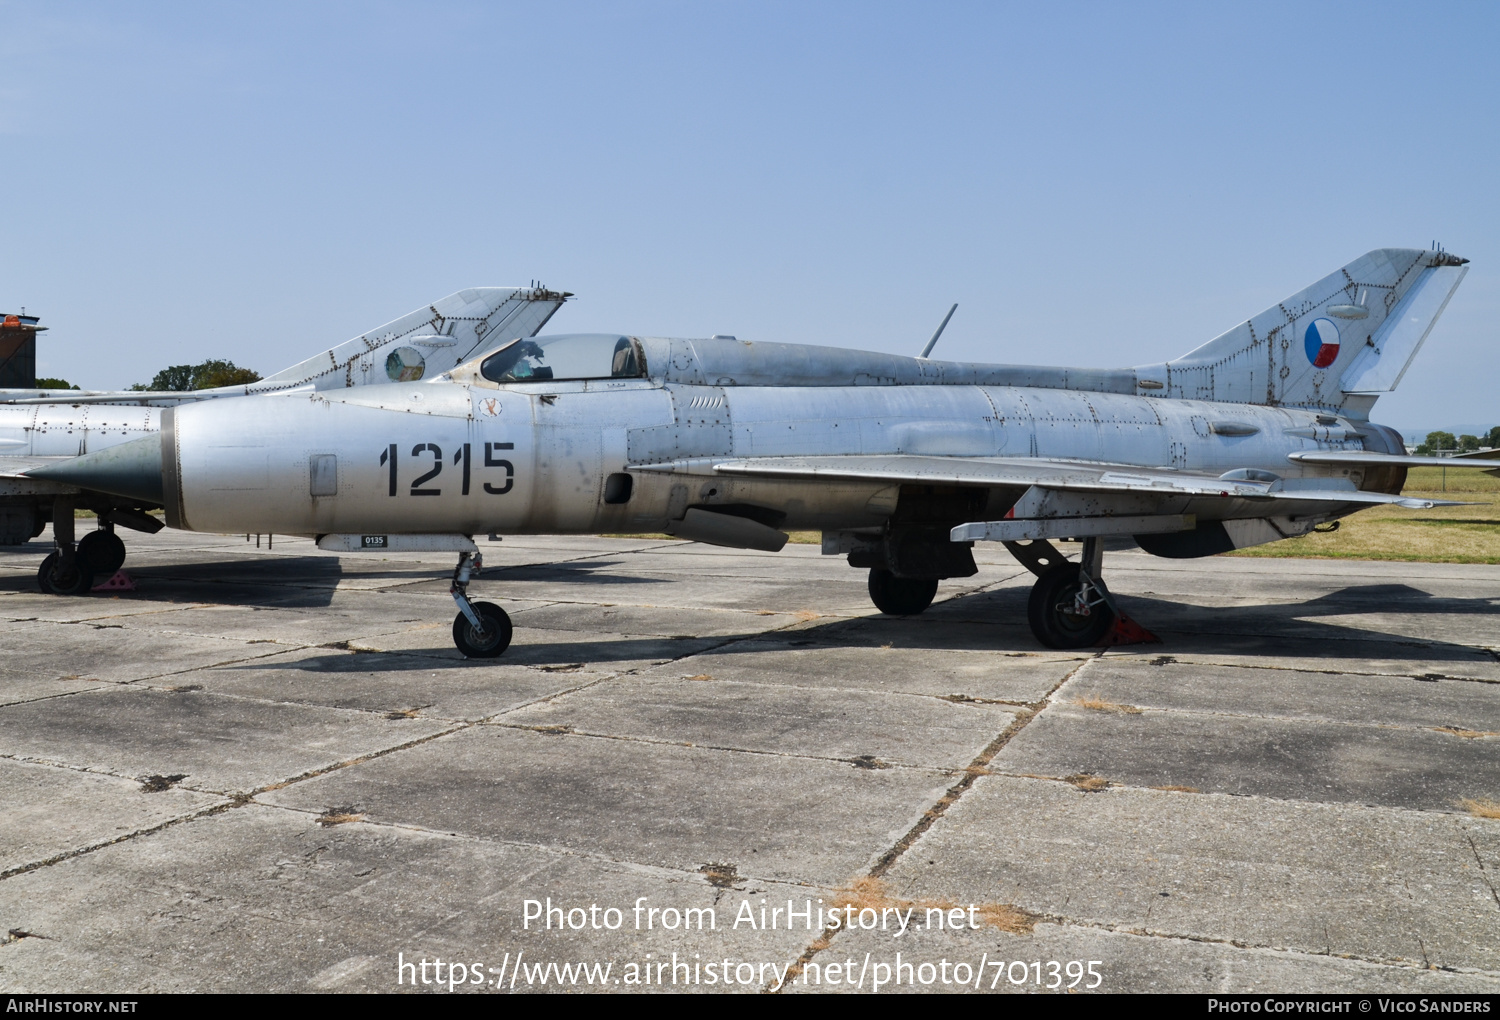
(903, 463)
(41, 427)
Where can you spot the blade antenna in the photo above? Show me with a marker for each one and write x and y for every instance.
(941, 326)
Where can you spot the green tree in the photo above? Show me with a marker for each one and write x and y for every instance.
(1468, 444)
(214, 373)
(54, 384)
(202, 376)
(1493, 439)
(1436, 441)
(176, 377)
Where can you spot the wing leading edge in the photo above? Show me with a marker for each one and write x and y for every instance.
(1027, 472)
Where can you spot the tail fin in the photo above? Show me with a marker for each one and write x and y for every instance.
(426, 342)
(1338, 345)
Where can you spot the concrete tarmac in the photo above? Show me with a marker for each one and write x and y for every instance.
(270, 770)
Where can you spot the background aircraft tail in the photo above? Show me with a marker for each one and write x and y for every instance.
(1339, 344)
(426, 342)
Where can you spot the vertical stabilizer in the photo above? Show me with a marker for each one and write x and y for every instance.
(1337, 345)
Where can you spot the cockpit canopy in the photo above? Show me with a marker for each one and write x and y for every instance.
(569, 356)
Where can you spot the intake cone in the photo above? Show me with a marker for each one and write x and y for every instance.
(131, 470)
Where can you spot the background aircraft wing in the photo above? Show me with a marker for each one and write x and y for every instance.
(420, 345)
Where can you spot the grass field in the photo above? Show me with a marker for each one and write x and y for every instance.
(1454, 534)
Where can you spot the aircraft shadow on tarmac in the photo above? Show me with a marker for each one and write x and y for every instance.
(1281, 628)
(992, 620)
(310, 580)
(995, 622)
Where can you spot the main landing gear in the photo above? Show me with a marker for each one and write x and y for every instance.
(901, 596)
(65, 571)
(70, 569)
(481, 630)
(1070, 607)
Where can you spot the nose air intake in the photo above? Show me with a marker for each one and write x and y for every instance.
(131, 470)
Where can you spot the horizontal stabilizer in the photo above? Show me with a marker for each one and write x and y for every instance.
(1348, 458)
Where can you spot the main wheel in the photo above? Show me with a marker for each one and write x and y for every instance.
(103, 551)
(900, 596)
(495, 638)
(57, 580)
(1052, 611)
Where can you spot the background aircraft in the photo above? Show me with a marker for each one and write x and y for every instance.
(40, 426)
(1262, 433)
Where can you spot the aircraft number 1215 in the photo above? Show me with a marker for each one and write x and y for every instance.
(462, 456)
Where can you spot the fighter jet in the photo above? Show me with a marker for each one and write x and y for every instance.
(40, 427)
(903, 463)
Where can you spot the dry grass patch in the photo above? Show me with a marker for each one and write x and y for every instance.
(720, 874)
(340, 816)
(1178, 789)
(1459, 731)
(704, 677)
(1481, 808)
(805, 537)
(1100, 705)
(1088, 782)
(873, 894)
(807, 615)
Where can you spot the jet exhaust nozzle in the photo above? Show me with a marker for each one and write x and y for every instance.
(131, 470)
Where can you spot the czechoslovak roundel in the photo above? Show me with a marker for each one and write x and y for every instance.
(1322, 342)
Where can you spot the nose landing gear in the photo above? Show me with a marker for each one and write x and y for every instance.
(481, 630)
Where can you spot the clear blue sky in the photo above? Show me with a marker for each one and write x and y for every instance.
(1095, 184)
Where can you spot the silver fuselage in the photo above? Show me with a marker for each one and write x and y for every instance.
(534, 457)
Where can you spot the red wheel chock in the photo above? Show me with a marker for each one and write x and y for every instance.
(119, 582)
(1125, 631)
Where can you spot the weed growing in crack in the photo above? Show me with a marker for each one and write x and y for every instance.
(1100, 705)
(1481, 808)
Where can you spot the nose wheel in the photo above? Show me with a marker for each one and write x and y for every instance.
(481, 630)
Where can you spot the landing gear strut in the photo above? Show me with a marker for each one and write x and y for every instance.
(1069, 606)
(481, 630)
(64, 571)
